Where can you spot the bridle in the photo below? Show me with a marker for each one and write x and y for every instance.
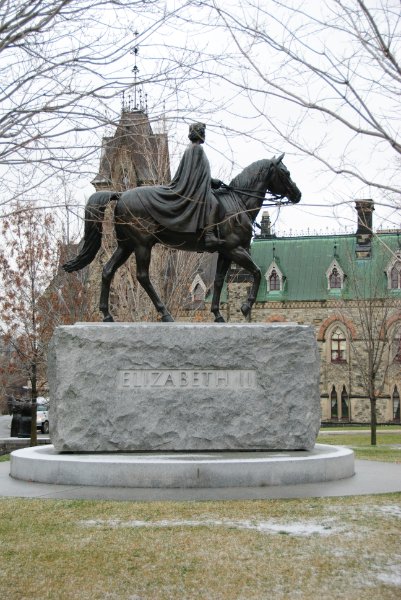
(273, 200)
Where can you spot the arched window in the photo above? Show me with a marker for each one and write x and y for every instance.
(395, 276)
(338, 346)
(335, 279)
(397, 347)
(274, 281)
(396, 405)
(334, 403)
(344, 404)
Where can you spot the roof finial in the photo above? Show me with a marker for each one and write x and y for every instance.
(135, 71)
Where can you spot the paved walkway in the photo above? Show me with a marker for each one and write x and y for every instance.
(370, 477)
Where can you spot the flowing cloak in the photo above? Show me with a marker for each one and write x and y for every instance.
(184, 204)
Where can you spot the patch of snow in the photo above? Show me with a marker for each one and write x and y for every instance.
(388, 510)
(391, 576)
(391, 510)
(297, 528)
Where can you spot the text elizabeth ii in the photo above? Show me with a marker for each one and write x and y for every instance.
(188, 378)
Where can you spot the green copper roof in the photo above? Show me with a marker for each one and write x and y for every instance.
(305, 261)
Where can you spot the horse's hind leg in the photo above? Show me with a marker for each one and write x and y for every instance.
(223, 264)
(243, 259)
(143, 254)
(118, 258)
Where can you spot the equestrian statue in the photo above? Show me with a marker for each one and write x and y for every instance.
(194, 212)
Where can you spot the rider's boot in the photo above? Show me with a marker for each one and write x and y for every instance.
(212, 242)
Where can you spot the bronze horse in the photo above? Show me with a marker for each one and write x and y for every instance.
(137, 232)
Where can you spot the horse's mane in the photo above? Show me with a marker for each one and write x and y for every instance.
(251, 174)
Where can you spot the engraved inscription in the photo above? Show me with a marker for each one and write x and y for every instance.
(188, 378)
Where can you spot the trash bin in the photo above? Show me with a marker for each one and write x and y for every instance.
(16, 420)
(25, 422)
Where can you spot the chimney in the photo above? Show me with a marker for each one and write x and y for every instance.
(364, 231)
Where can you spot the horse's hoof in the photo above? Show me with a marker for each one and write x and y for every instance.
(167, 319)
(108, 319)
(245, 309)
(219, 320)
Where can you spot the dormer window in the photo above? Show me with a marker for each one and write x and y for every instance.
(198, 289)
(274, 281)
(335, 277)
(198, 293)
(274, 278)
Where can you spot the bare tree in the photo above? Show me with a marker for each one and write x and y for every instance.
(60, 68)
(374, 313)
(35, 296)
(27, 261)
(322, 76)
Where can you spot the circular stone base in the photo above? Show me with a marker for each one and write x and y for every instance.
(183, 470)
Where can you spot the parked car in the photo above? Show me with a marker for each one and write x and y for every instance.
(42, 418)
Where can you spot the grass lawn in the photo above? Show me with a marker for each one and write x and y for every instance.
(366, 427)
(4, 457)
(302, 549)
(388, 446)
(307, 549)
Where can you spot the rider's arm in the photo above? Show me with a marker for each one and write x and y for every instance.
(216, 183)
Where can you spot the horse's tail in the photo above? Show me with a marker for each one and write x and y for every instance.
(94, 213)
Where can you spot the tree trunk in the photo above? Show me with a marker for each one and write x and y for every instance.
(34, 396)
(373, 421)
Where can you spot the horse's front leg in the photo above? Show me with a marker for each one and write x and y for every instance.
(223, 264)
(143, 255)
(118, 258)
(243, 259)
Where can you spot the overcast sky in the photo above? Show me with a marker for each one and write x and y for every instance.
(244, 127)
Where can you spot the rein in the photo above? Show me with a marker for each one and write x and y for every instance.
(274, 199)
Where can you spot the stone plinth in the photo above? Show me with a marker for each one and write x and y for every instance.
(150, 387)
(184, 470)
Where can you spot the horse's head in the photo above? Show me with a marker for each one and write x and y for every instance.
(280, 182)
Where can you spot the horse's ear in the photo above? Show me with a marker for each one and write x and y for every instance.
(280, 158)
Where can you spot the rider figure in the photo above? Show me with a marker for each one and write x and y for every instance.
(197, 133)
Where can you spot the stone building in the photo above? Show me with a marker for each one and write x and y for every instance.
(136, 156)
(348, 287)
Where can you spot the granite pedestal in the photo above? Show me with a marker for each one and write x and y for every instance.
(180, 405)
(183, 387)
